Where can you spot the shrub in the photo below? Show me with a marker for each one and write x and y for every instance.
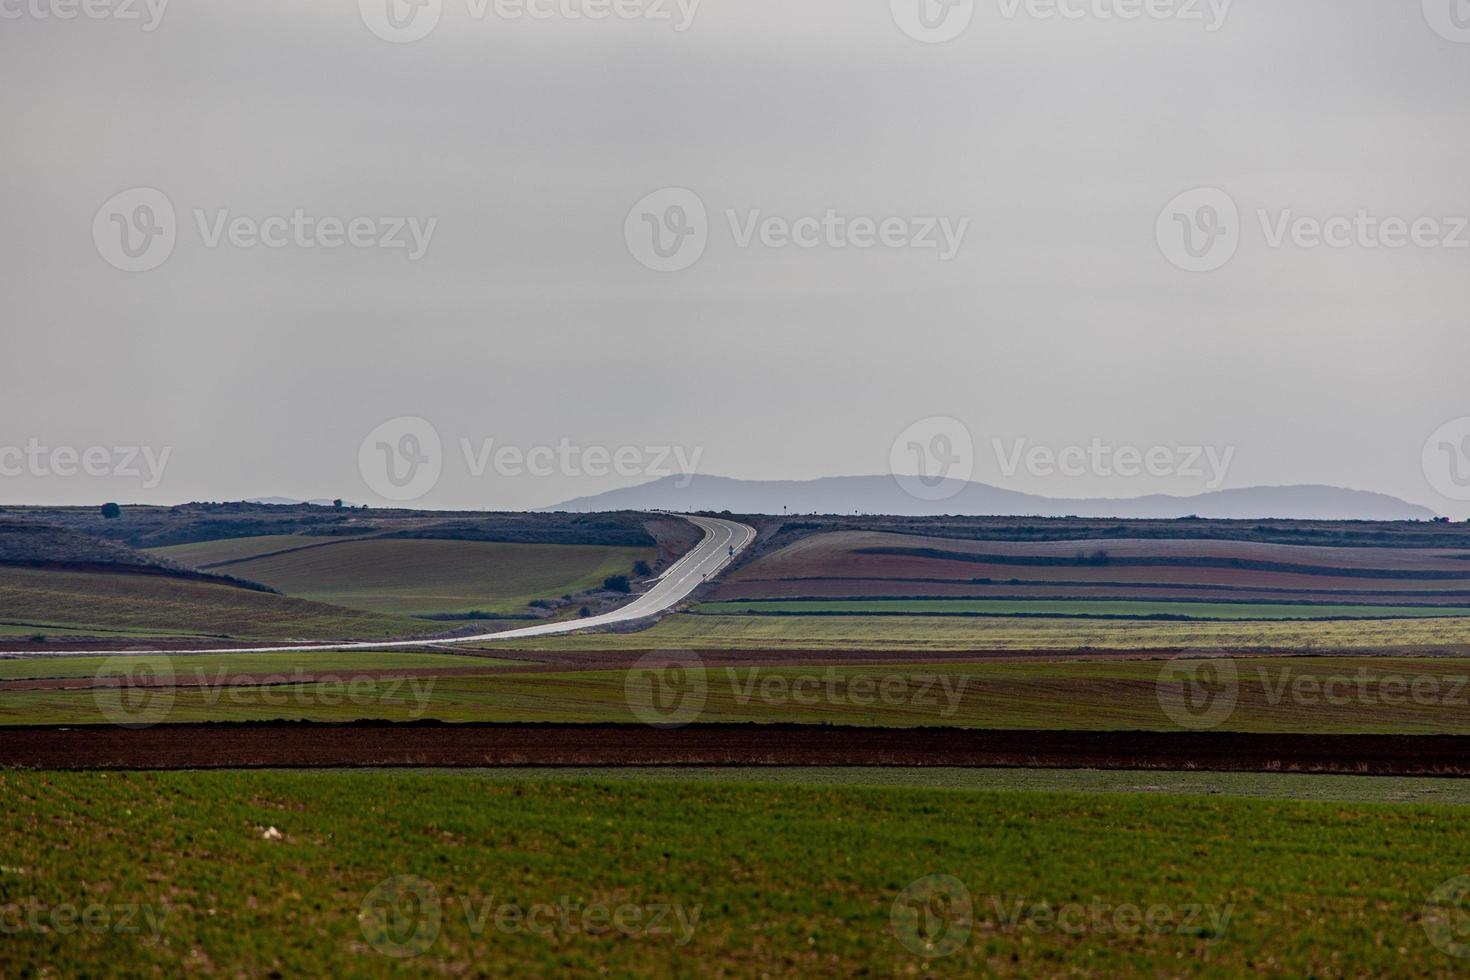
(111, 511)
(642, 568)
(617, 583)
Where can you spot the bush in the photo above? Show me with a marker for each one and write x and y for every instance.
(584, 612)
(642, 568)
(617, 583)
(111, 511)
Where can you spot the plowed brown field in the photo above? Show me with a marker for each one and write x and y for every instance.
(429, 744)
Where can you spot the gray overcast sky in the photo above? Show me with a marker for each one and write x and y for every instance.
(529, 319)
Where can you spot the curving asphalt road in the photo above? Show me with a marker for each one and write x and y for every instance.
(723, 540)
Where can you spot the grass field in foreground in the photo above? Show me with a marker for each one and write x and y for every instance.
(43, 601)
(414, 577)
(1311, 695)
(916, 634)
(723, 879)
(1245, 785)
(1075, 607)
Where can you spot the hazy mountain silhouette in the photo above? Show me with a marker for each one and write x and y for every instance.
(884, 495)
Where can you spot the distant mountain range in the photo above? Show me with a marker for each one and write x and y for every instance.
(884, 495)
(293, 502)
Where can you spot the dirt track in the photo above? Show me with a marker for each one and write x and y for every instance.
(434, 744)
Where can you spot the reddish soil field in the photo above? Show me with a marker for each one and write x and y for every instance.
(426, 744)
(818, 565)
(823, 547)
(856, 588)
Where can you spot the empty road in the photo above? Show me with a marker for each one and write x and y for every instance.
(723, 540)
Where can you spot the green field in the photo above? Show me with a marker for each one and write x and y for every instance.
(245, 663)
(1243, 785)
(1111, 609)
(419, 577)
(46, 602)
(200, 553)
(1278, 694)
(916, 634)
(740, 879)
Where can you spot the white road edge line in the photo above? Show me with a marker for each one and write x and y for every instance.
(715, 550)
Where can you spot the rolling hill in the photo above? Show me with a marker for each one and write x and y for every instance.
(884, 495)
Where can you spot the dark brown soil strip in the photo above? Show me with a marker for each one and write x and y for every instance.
(277, 744)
